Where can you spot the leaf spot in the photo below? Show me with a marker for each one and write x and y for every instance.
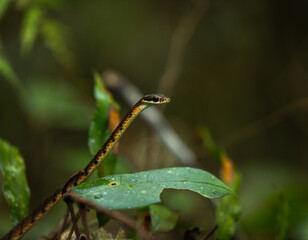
(113, 183)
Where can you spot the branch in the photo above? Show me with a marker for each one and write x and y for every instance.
(113, 214)
(267, 122)
(179, 41)
(153, 117)
(55, 234)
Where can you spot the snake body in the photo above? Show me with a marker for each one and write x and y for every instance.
(27, 223)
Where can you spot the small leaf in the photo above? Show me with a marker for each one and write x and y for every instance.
(227, 170)
(52, 103)
(3, 6)
(215, 151)
(105, 119)
(163, 220)
(228, 208)
(125, 191)
(228, 212)
(14, 183)
(102, 219)
(282, 216)
(30, 27)
(8, 73)
(98, 132)
(54, 34)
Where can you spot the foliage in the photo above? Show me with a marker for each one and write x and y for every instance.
(228, 208)
(49, 48)
(14, 183)
(30, 27)
(105, 119)
(7, 71)
(99, 132)
(126, 191)
(162, 219)
(49, 103)
(3, 5)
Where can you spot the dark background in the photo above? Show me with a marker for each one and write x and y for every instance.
(245, 61)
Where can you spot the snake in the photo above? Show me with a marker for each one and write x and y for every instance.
(79, 177)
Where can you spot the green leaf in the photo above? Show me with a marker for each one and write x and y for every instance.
(3, 6)
(283, 216)
(30, 27)
(163, 220)
(14, 183)
(52, 103)
(125, 191)
(215, 151)
(228, 212)
(98, 131)
(8, 73)
(102, 219)
(54, 34)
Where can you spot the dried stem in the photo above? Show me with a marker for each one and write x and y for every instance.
(83, 212)
(70, 234)
(113, 214)
(179, 41)
(211, 233)
(153, 117)
(267, 122)
(73, 217)
(55, 234)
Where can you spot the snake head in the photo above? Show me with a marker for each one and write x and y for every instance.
(155, 99)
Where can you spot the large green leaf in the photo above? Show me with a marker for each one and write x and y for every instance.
(125, 191)
(14, 183)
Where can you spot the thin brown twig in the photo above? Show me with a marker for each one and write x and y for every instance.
(211, 233)
(113, 214)
(73, 217)
(55, 234)
(179, 41)
(264, 123)
(120, 85)
(66, 221)
(70, 234)
(83, 212)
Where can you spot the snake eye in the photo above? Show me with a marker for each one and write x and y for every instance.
(155, 99)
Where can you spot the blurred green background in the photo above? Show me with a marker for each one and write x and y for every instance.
(245, 61)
